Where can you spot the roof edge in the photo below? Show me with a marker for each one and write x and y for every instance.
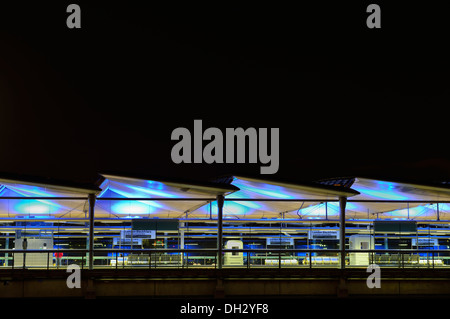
(179, 182)
(335, 190)
(40, 181)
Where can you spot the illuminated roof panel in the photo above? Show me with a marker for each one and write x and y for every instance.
(390, 190)
(131, 187)
(22, 200)
(397, 193)
(250, 187)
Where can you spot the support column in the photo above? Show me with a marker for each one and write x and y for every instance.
(181, 246)
(342, 204)
(91, 199)
(220, 200)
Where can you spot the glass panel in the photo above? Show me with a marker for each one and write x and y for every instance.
(256, 234)
(42, 232)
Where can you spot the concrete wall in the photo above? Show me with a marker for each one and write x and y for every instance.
(204, 287)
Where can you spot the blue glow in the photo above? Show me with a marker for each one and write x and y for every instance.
(30, 191)
(149, 203)
(413, 212)
(320, 210)
(264, 189)
(232, 208)
(253, 205)
(156, 185)
(151, 191)
(35, 207)
(131, 208)
(380, 190)
(9, 192)
(391, 195)
(270, 193)
(37, 217)
(131, 191)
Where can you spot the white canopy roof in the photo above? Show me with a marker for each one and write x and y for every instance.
(245, 198)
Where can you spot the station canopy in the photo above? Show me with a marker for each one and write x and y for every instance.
(134, 197)
(280, 199)
(385, 199)
(121, 197)
(246, 198)
(35, 198)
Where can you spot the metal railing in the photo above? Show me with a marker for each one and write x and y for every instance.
(26, 258)
(232, 258)
(406, 258)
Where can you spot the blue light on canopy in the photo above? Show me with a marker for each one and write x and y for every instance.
(156, 185)
(36, 216)
(234, 208)
(34, 207)
(383, 194)
(231, 208)
(151, 188)
(133, 194)
(265, 189)
(383, 190)
(36, 191)
(322, 209)
(131, 208)
(319, 210)
(152, 192)
(249, 204)
(413, 212)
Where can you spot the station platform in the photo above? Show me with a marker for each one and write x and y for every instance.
(223, 283)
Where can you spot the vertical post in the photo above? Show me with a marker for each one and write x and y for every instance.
(342, 204)
(220, 200)
(181, 230)
(7, 247)
(91, 199)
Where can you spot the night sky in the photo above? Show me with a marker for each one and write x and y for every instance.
(106, 97)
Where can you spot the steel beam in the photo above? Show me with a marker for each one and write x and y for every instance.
(91, 229)
(342, 204)
(220, 201)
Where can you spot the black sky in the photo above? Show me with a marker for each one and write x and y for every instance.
(347, 100)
